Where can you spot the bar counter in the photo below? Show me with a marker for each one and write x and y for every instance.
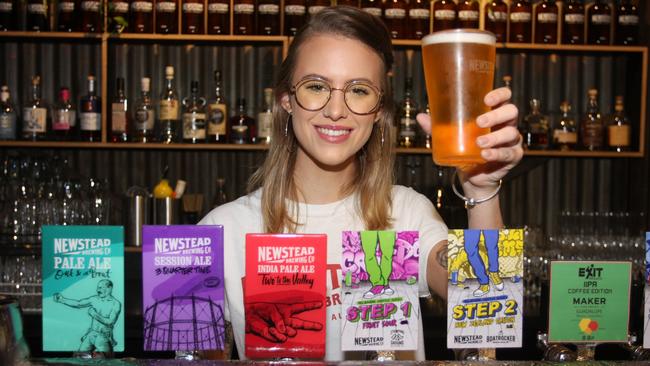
(153, 362)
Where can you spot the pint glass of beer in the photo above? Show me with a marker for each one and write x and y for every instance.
(459, 72)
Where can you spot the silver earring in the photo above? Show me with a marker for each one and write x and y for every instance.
(286, 126)
(382, 136)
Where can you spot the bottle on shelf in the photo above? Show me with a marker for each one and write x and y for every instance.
(419, 15)
(193, 17)
(217, 114)
(7, 115)
(141, 19)
(144, 115)
(265, 118)
(407, 124)
(444, 15)
(218, 17)
(352, 3)
(90, 114)
(244, 17)
(168, 113)
(64, 117)
(496, 19)
(294, 16)
(91, 16)
(536, 128)
(373, 7)
(468, 14)
(66, 16)
(268, 17)
(194, 116)
(395, 18)
(242, 126)
(507, 81)
(520, 21)
(35, 114)
(546, 14)
(220, 196)
(427, 136)
(167, 17)
(118, 15)
(599, 17)
(37, 19)
(119, 110)
(618, 129)
(565, 136)
(573, 26)
(627, 23)
(591, 127)
(8, 15)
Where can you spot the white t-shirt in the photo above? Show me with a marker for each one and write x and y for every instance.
(411, 211)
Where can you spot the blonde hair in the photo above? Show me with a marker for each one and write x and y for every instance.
(374, 177)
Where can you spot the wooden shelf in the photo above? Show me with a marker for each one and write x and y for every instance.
(196, 38)
(571, 48)
(52, 35)
(260, 147)
(132, 249)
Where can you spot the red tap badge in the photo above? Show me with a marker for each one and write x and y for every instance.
(284, 295)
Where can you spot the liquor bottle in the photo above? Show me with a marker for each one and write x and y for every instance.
(118, 15)
(520, 21)
(119, 109)
(395, 18)
(66, 16)
(546, 14)
(194, 116)
(37, 19)
(35, 114)
(244, 17)
(217, 114)
(8, 15)
(141, 16)
(265, 118)
(193, 16)
(407, 123)
(91, 18)
(627, 23)
(591, 128)
(536, 136)
(220, 197)
(565, 136)
(599, 17)
(294, 16)
(7, 115)
(573, 26)
(218, 17)
(90, 114)
(144, 115)
(496, 19)
(468, 14)
(419, 15)
(268, 17)
(167, 17)
(427, 137)
(444, 15)
(618, 130)
(168, 112)
(64, 117)
(242, 127)
(373, 7)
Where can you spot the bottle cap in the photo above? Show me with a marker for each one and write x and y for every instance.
(4, 94)
(145, 84)
(619, 104)
(565, 106)
(36, 80)
(268, 95)
(534, 103)
(91, 78)
(217, 75)
(593, 92)
(64, 94)
(169, 71)
(507, 79)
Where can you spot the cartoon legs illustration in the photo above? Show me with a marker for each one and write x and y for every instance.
(472, 238)
(379, 272)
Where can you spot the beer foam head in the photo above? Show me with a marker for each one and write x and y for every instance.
(460, 36)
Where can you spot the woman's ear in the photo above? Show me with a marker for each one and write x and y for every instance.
(285, 102)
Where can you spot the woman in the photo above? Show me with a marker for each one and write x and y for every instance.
(330, 165)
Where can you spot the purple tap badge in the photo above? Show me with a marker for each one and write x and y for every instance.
(182, 289)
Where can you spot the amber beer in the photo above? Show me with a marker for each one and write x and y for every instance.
(459, 72)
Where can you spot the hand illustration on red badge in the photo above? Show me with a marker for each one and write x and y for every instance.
(278, 322)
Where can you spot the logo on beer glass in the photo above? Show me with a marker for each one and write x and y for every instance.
(481, 66)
